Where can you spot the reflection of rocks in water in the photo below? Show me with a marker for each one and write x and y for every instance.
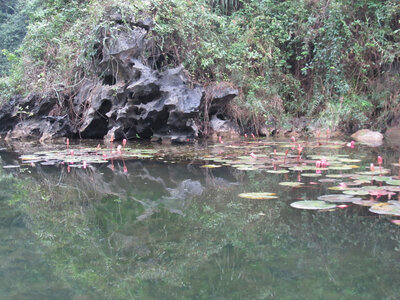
(153, 184)
(178, 196)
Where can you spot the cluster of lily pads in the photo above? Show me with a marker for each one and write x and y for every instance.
(366, 187)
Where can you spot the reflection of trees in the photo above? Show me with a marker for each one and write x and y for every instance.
(110, 232)
(25, 273)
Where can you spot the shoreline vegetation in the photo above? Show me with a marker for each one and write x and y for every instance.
(298, 66)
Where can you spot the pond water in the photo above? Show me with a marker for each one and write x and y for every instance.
(149, 221)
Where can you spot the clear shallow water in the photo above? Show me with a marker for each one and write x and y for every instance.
(169, 229)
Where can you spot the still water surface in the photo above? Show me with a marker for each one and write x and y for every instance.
(166, 228)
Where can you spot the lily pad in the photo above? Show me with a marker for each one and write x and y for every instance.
(382, 178)
(210, 166)
(395, 203)
(312, 204)
(338, 188)
(365, 202)
(11, 167)
(328, 180)
(349, 160)
(385, 209)
(376, 172)
(278, 171)
(393, 188)
(334, 176)
(291, 183)
(393, 182)
(370, 187)
(338, 198)
(247, 168)
(258, 196)
(302, 168)
(357, 192)
(50, 163)
(30, 157)
(310, 175)
(343, 167)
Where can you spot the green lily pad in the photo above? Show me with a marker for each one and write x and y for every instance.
(395, 203)
(356, 192)
(282, 154)
(310, 175)
(370, 187)
(382, 178)
(353, 183)
(278, 171)
(208, 158)
(312, 204)
(328, 158)
(376, 172)
(338, 198)
(30, 157)
(291, 183)
(247, 168)
(258, 196)
(392, 188)
(365, 202)
(334, 176)
(393, 182)
(385, 209)
(349, 160)
(302, 168)
(210, 166)
(343, 167)
(237, 166)
(328, 180)
(49, 163)
(363, 178)
(11, 167)
(338, 188)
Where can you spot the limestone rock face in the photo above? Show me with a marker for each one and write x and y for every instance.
(127, 99)
(150, 104)
(366, 136)
(33, 117)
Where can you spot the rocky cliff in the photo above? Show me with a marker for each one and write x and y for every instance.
(125, 98)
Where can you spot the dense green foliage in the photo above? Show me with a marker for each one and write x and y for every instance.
(335, 59)
(336, 62)
(13, 21)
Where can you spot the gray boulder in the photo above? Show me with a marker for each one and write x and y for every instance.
(369, 137)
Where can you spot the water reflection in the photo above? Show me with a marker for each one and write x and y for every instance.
(177, 231)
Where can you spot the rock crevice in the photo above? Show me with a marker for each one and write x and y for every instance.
(127, 98)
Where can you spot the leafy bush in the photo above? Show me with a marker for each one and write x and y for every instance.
(287, 58)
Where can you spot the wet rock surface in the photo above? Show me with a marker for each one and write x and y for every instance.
(127, 98)
(369, 137)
